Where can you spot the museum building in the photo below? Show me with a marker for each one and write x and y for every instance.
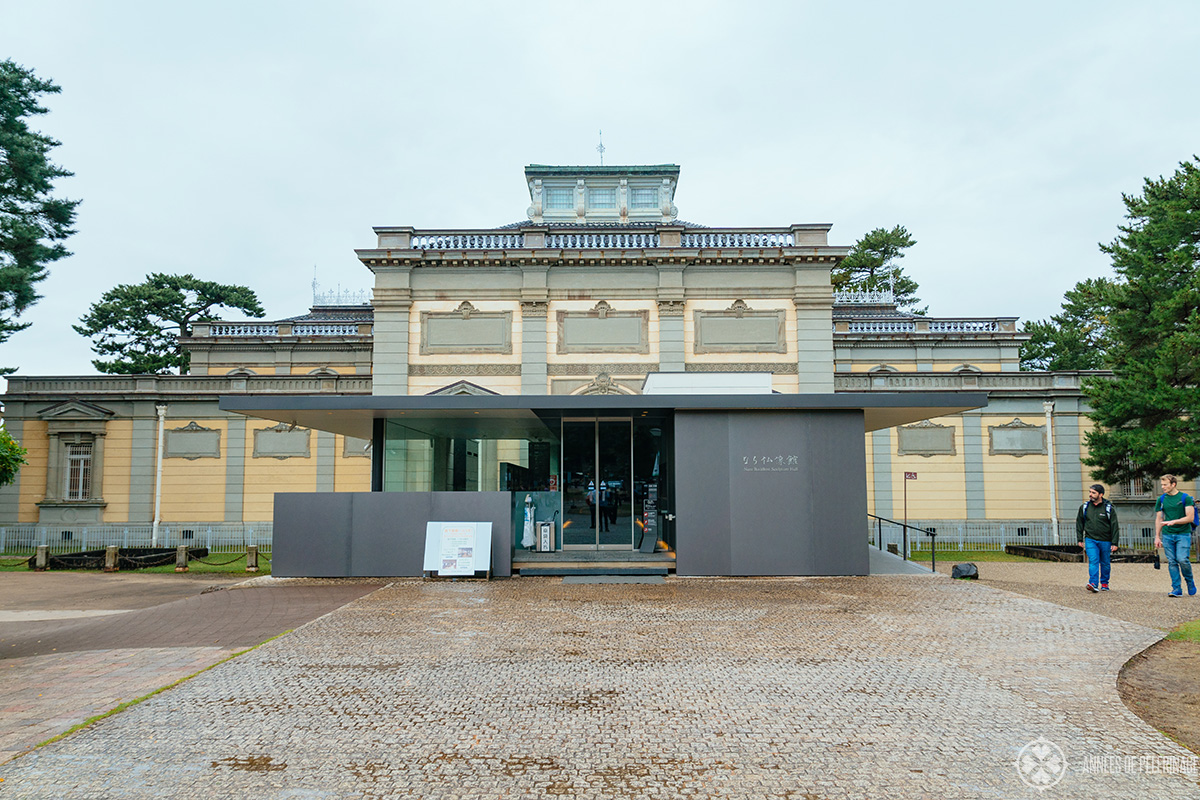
(649, 384)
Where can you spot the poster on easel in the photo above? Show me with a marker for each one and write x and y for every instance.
(454, 549)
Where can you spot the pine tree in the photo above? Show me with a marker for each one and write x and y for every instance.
(33, 223)
(1147, 415)
(1076, 337)
(873, 266)
(141, 324)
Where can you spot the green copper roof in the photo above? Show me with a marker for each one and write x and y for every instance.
(542, 170)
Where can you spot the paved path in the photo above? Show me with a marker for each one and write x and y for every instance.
(896, 687)
(61, 666)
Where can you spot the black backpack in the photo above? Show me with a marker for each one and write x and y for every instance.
(1106, 508)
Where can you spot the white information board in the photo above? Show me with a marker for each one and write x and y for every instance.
(458, 548)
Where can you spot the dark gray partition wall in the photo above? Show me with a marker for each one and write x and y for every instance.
(770, 493)
(377, 534)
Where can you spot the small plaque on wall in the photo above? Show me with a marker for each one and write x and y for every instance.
(193, 441)
(1017, 438)
(282, 441)
(926, 439)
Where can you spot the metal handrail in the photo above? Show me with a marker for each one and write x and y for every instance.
(905, 526)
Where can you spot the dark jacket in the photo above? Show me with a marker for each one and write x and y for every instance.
(1097, 522)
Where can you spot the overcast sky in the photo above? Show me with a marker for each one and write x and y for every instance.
(249, 142)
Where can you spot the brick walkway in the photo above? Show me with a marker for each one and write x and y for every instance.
(56, 673)
(898, 687)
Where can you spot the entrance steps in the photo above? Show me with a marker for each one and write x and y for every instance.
(592, 562)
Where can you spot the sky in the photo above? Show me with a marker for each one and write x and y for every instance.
(255, 142)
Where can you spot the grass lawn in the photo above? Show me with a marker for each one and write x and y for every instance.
(947, 556)
(1187, 632)
(221, 563)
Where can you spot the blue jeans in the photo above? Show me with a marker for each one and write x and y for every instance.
(1099, 556)
(1178, 547)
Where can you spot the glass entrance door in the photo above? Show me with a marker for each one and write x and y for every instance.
(598, 492)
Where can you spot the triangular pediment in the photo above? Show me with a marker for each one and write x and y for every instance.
(74, 409)
(463, 387)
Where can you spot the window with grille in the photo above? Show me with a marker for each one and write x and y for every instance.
(560, 199)
(602, 198)
(643, 198)
(1138, 486)
(79, 471)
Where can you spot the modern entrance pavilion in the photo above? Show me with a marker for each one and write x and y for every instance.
(770, 484)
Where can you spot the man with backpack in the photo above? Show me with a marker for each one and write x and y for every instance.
(1174, 519)
(1096, 527)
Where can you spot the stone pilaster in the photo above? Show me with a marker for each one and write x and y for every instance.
(814, 334)
(534, 379)
(390, 357)
(235, 467)
(671, 351)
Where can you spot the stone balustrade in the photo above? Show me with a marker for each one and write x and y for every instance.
(591, 240)
(468, 241)
(871, 298)
(737, 239)
(21, 388)
(878, 326)
(242, 329)
(601, 241)
(325, 329)
(925, 325)
(960, 381)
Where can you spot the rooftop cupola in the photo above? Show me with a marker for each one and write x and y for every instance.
(612, 195)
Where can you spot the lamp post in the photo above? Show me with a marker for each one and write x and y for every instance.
(161, 409)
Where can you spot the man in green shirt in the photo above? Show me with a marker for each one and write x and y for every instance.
(1098, 532)
(1173, 517)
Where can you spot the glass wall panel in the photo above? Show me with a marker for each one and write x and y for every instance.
(652, 487)
(579, 482)
(615, 509)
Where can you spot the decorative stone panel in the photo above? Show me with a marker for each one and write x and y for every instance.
(926, 439)
(353, 447)
(282, 441)
(603, 330)
(466, 330)
(1017, 438)
(740, 330)
(193, 441)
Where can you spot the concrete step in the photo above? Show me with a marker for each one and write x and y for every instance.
(591, 569)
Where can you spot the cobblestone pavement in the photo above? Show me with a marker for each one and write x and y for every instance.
(882, 687)
(61, 667)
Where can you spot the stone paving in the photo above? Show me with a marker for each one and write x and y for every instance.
(897, 687)
(61, 667)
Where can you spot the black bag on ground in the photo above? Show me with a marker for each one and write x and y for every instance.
(965, 571)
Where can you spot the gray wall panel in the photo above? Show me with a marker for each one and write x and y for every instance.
(378, 534)
(311, 537)
(702, 502)
(767, 493)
